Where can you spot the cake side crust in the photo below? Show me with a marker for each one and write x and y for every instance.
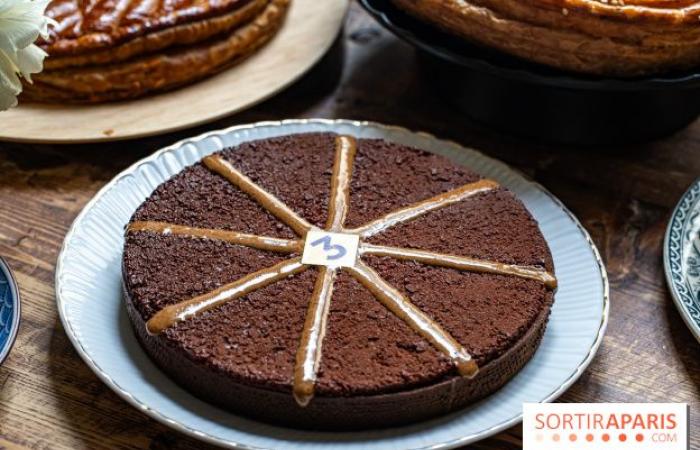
(337, 413)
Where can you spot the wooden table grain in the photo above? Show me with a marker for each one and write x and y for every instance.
(49, 399)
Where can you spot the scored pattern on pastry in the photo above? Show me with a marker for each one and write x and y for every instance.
(309, 352)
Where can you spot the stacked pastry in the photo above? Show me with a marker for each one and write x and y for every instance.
(607, 37)
(104, 50)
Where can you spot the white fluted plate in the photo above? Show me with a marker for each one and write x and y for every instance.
(90, 305)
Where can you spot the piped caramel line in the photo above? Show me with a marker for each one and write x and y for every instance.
(399, 305)
(462, 263)
(418, 209)
(248, 240)
(345, 150)
(309, 353)
(268, 201)
(170, 315)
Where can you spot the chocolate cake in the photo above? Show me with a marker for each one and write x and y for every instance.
(327, 282)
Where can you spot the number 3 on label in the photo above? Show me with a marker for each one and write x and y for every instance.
(333, 251)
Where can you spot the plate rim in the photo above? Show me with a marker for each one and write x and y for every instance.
(16, 314)
(673, 256)
(197, 434)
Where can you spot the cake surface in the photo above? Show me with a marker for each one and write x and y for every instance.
(618, 38)
(86, 26)
(114, 51)
(447, 299)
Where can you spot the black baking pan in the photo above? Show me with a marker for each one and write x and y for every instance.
(528, 99)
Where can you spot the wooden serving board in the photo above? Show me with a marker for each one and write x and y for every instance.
(310, 29)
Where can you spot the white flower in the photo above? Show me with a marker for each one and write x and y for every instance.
(21, 23)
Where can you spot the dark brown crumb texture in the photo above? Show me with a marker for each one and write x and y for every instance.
(367, 351)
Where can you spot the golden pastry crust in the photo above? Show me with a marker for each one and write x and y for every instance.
(185, 34)
(89, 25)
(613, 37)
(157, 72)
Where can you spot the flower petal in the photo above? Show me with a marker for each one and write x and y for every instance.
(8, 75)
(21, 23)
(10, 86)
(30, 60)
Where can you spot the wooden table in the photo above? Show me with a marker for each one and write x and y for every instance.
(623, 196)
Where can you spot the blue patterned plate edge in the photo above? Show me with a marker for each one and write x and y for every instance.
(683, 236)
(9, 310)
